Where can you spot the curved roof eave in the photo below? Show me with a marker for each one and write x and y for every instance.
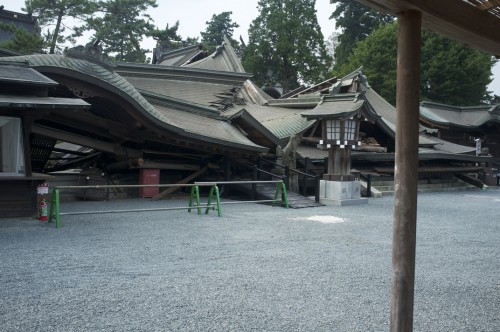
(113, 82)
(485, 114)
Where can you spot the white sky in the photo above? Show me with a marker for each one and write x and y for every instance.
(193, 15)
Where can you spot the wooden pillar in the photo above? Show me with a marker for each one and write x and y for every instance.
(406, 171)
(27, 122)
(331, 161)
(339, 162)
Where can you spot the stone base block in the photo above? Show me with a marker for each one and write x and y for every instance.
(343, 202)
(340, 193)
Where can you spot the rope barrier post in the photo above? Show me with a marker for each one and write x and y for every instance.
(195, 192)
(214, 189)
(54, 207)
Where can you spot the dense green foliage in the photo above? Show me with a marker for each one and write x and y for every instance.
(453, 73)
(286, 45)
(357, 22)
(51, 13)
(450, 72)
(168, 37)
(122, 28)
(219, 26)
(22, 41)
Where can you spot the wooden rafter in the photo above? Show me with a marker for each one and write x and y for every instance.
(488, 4)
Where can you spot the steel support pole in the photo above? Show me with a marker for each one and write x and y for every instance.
(406, 171)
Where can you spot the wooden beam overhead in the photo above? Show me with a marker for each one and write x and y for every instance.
(456, 19)
(85, 141)
(488, 4)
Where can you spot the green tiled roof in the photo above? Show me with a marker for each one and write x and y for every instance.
(21, 74)
(455, 116)
(169, 119)
(338, 106)
(280, 121)
(223, 59)
(212, 130)
(202, 93)
(42, 102)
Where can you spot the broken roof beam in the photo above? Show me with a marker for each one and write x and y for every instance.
(109, 147)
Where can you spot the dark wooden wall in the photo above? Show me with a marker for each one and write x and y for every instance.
(18, 198)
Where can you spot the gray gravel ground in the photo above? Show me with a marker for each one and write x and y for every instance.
(256, 268)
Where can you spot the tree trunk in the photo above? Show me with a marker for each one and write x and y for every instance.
(56, 32)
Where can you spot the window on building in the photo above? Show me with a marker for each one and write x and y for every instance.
(11, 145)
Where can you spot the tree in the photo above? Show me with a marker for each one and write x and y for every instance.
(22, 41)
(377, 54)
(168, 36)
(450, 73)
(53, 12)
(219, 26)
(453, 73)
(122, 28)
(357, 23)
(286, 45)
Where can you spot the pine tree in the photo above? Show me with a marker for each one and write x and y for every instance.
(219, 26)
(168, 37)
(22, 41)
(52, 13)
(122, 28)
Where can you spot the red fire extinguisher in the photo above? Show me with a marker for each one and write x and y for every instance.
(43, 210)
(42, 190)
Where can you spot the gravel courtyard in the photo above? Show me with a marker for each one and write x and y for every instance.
(256, 268)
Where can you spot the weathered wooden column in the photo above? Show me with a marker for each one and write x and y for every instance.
(406, 171)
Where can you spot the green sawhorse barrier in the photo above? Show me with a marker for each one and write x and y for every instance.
(213, 202)
(215, 196)
(55, 214)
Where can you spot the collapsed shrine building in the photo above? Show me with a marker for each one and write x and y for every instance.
(196, 116)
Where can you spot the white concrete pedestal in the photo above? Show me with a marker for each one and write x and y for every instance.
(340, 193)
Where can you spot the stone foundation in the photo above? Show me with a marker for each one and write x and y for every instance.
(340, 193)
